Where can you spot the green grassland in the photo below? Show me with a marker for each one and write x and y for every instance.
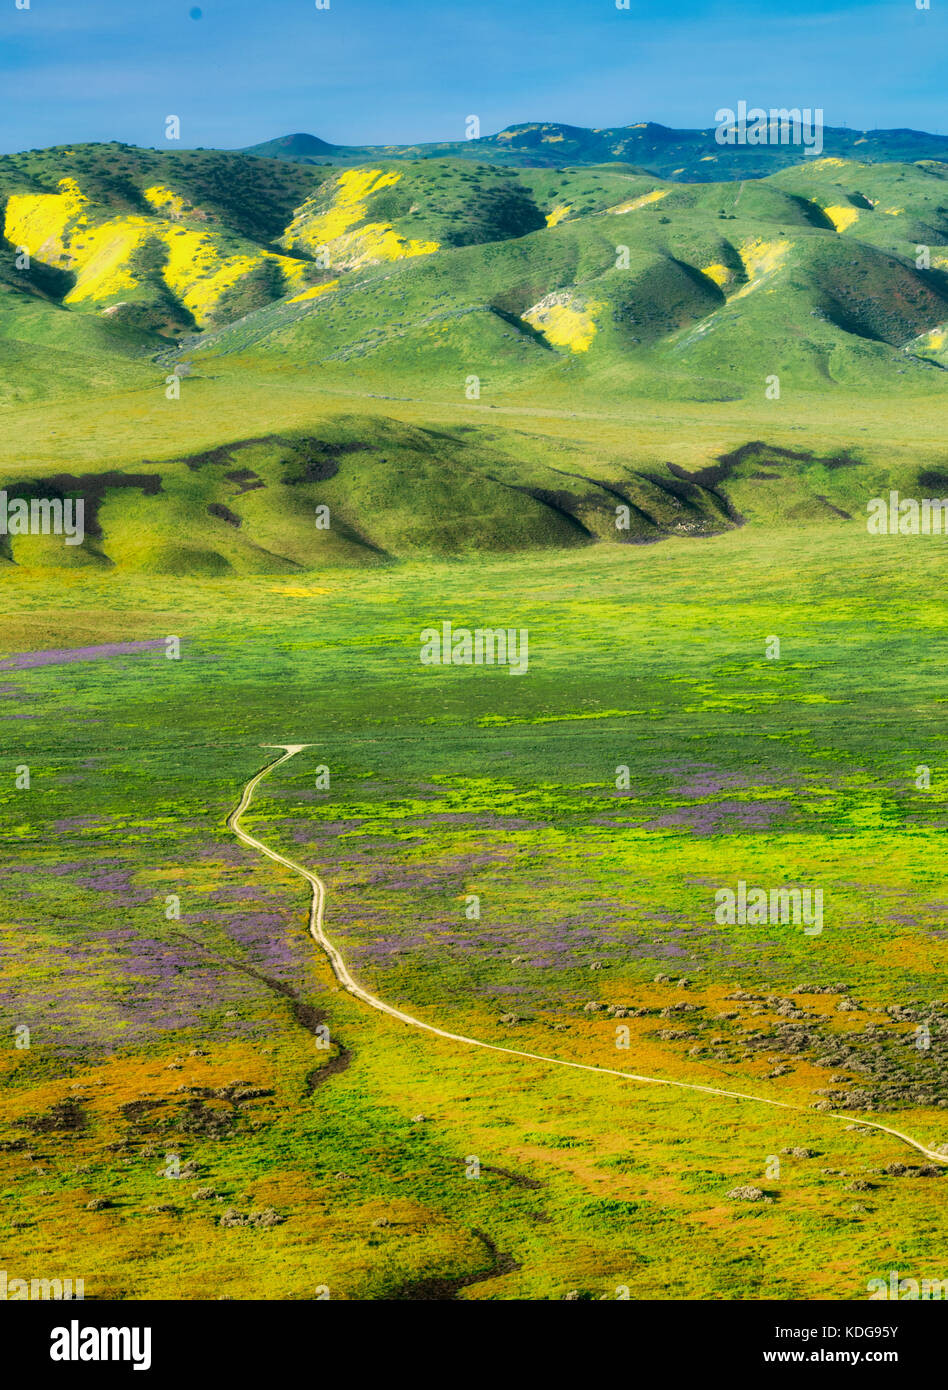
(472, 367)
(152, 1037)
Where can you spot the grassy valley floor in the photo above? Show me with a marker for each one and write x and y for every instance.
(321, 1146)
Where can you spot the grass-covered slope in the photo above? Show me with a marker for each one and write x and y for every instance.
(605, 277)
(630, 285)
(364, 491)
(586, 290)
(370, 489)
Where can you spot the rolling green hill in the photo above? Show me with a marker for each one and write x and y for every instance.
(629, 286)
(591, 288)
(446, 269)
(367, 491)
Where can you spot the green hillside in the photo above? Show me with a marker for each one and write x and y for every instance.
(268, 287)
(371, 490)
(443, 268)
(631, 285)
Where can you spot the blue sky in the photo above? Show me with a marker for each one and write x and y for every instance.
(403, 71)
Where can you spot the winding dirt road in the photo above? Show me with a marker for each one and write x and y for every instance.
(342, 974)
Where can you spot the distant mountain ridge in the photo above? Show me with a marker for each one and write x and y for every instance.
(685, 155)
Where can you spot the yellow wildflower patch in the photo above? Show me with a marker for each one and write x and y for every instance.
(335, 228)
(717, 272)
(166, 201)
(57, 228)
(104, 271)
(198, 274)
(314, 290)
(554, 218)
(761, 259)
(842, 217)
(313, 228)
(931, 346)
(642, 201)
(39, 221)
(565, 320)
(935, 340)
